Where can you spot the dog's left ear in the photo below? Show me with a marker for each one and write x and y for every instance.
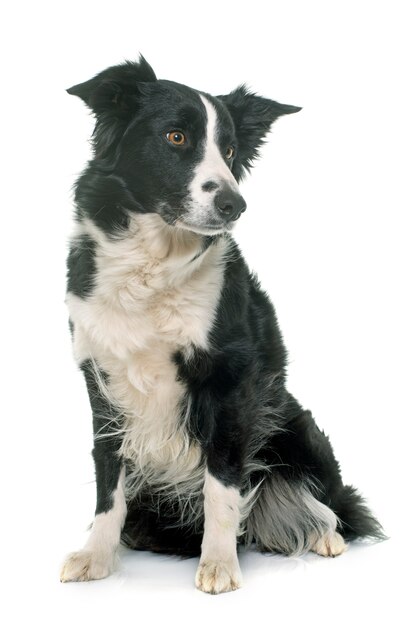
(253, 117)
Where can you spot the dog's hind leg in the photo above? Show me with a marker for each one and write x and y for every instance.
(289, 519)
(302, 503)
(97, 558)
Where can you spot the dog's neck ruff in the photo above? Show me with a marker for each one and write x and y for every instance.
(150, 237)
(157, 284)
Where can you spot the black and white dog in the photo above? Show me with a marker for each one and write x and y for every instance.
(198, 446)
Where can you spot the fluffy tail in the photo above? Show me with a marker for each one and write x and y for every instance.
(356, 518)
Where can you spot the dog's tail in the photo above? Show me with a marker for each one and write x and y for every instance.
(356, 519)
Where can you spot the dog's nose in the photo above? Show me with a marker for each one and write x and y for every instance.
(229, 203)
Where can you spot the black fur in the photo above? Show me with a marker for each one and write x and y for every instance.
(81, 266)
(107, 462)
(249, 427)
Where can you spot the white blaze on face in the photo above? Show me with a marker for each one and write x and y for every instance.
(213, 169)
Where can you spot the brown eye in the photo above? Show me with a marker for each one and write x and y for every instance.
(229, 152)
(176, 137)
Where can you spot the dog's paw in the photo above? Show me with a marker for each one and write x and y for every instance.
(218, 576)
(330, 545)
(85, 565)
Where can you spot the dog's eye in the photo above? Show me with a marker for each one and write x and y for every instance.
(176, 137)
(229, 153)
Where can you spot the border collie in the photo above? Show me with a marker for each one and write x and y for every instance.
(198, 446)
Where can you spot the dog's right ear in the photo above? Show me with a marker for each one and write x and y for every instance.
(116, 89)
(114, 96)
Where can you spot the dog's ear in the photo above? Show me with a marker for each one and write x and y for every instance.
(114, 96)
(253, 117)
(116, 89)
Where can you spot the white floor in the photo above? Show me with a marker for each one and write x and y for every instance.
(367, 585)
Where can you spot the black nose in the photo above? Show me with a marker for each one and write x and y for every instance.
(229, 204)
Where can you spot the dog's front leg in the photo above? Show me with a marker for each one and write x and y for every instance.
(97, 558)
(219, 569)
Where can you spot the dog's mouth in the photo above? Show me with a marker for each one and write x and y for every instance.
(205, 229)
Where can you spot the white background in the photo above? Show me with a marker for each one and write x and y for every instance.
(330, 232)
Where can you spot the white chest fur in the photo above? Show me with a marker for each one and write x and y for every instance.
(151, 298)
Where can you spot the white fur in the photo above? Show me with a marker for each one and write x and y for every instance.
(151, 298)
(97, 558)
(218, 569)
(211, 168)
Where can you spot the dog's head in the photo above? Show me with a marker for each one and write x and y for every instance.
(177, 151)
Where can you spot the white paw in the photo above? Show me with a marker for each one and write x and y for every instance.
(330, 545)
(86, 565)
(218, 576)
